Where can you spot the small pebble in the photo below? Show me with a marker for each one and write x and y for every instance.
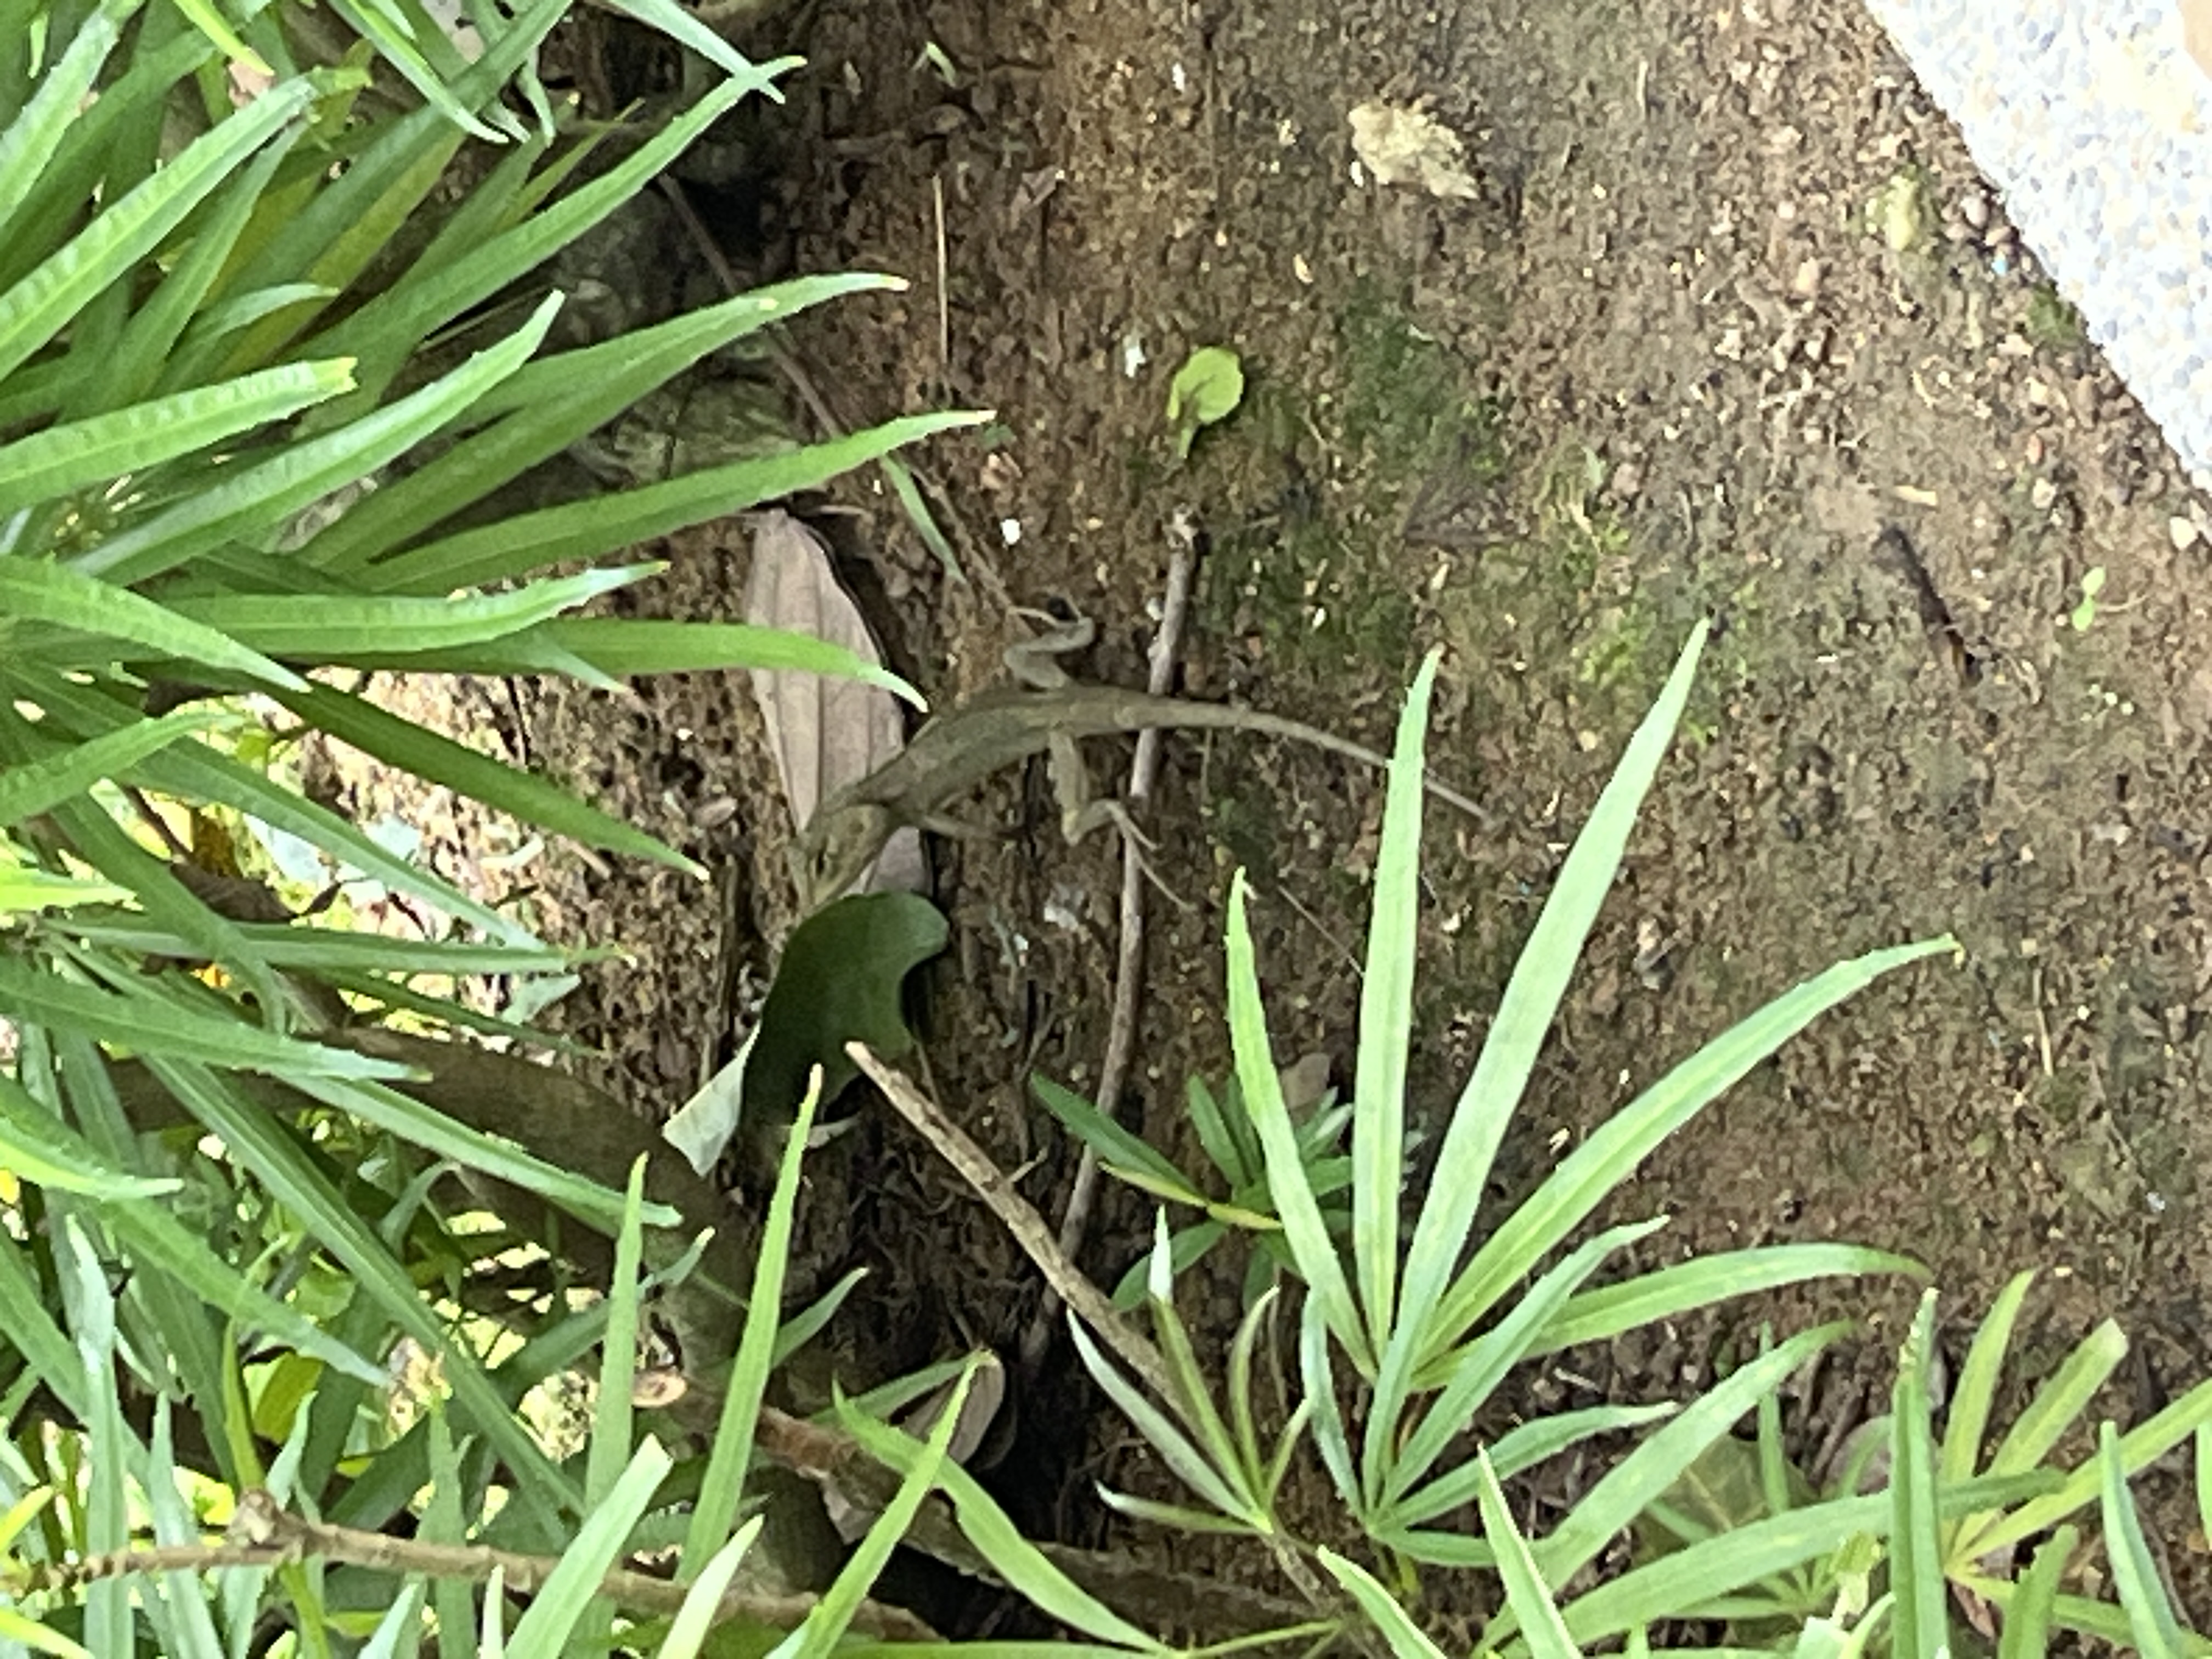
(1975, 207)
(1627, 481)
(2035, 449)
(2182, 533)
(2043, 492)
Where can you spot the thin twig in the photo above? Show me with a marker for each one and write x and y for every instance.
(263, 1535)
(944, 293)
(1019, 1217)
(1129, 957)
(787, 364)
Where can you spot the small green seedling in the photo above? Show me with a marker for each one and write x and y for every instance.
(933, 57)
(1205, 389)
(2085, 613)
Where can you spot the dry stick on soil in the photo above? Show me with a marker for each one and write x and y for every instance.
(1028, 1229)
(1019, 1217)
(1128, 965)
(264, 1535)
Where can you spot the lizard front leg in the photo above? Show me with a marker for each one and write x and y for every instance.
(1081, 812)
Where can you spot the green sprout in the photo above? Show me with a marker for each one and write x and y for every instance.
(1204, 390)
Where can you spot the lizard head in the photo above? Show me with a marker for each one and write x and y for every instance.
(837, 850)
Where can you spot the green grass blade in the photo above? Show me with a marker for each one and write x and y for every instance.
(2099, 1620)
(259, 1145)
(35, 134)
(440, 759)
(1384, 1611)
(825, 1627)
(109, 1626)
(581, 531)
(1599, 1314)
(1242, 1348)
(696, 1619)
(2026, 1631)
(404, 1117)
(155, 338)
(1175, 1517)
(164, 900)
(1113, 1144)
(1543, 1630)
(684, 28)
(1386, 1021)
(329, 232)
(1609, 1156)
(32, 1334)
(2203, 1460)
(897, 474)
(344, 627)
(1521, 1449)
(1318, 1376)
(2062, 1398)
(1968, 1417)
(1393, 1460)
(1192, 1399)
(1303, 1232)
(398, 49)
(1025, 1568)
(560, 1603)
(112, 245)
(624, 647)
(258, 498)
(33, 591)
(1222, 1145)
(1677, 1585)
(39, 785)
(1920, 1626)
(722, 1487)
(193, 772)
(2135, 1574)
(551, 403)
(35, 1147)
(1639, 1479)
(327, 950)
(1524, 1016)
(387, 330)
(147, 1025)
(79, 454)
(1189, 1464)
(1187, 1249)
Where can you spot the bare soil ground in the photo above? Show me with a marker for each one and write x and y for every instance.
(1664, 366)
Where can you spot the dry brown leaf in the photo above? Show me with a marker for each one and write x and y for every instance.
(824, 734)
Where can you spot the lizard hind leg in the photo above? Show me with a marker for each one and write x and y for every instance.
(1096, 815)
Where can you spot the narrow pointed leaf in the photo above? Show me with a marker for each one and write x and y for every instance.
(110, 247)
(79, 454)
(1595, 1316)
(35, 591)
(1610, 1155)
(1920, 1625)
(1386, 1021)
(1303, 1231)
(1543, 1630)
(1524, 1016)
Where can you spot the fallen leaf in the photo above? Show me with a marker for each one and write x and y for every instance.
(842, 978)
(824, 734)
(1404, 144)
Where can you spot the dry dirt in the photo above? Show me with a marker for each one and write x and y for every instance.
(1662, 366)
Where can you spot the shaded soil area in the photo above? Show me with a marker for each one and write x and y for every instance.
(1732, 328)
